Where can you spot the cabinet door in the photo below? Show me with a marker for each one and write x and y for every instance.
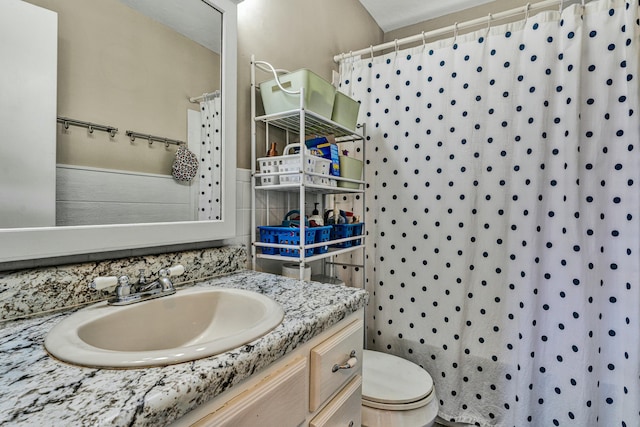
(336, 350)
(277, 401)
(344, 409)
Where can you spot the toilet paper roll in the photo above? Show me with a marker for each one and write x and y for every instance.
(293, 270)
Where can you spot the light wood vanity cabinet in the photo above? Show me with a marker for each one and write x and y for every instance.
(273, 401)
(344, 409)
(303, 388)
(339, 349)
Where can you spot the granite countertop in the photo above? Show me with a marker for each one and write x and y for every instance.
(36, 389)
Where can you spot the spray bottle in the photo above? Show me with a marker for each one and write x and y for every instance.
(315, 217)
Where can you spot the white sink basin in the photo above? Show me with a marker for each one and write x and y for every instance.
(189, 325)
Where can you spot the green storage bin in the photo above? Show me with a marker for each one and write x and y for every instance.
(345, 111)
(319, 93)
(350, 168)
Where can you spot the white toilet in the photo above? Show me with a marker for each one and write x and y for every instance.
(396, 392)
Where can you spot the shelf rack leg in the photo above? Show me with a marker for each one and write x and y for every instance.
(303, 181)
(253, 163)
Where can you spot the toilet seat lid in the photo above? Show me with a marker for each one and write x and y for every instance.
(390, 379)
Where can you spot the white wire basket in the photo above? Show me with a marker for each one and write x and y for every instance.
(291, 163)
(312, 164)
(269, 165)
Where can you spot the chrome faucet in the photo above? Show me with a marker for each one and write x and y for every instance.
(163, 283)
(126, 293)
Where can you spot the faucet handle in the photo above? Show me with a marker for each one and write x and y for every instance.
(124, 287)
(176, 270)
(104, 282)
(142, 280)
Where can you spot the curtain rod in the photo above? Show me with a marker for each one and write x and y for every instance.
(528, 8)
(214, 94)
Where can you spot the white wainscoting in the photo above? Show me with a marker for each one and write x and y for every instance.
(86, 196)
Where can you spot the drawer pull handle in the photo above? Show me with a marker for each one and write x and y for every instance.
(353, 361)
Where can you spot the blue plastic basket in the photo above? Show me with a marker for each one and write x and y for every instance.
(287, 221)
(285, 236)
(357, 231)
(323, 234)
(270, 235)
(292, 237)
(342, 231)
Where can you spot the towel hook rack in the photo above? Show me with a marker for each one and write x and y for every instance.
(66, 122)
(153, 138)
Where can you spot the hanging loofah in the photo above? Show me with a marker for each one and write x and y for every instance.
(185, 166)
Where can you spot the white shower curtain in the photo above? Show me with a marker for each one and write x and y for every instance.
(210, 195)
(503, 213)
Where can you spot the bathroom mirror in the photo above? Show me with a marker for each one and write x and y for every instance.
(117, 82)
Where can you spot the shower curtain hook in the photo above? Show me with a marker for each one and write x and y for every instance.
(455, 32)
(424, 41)
(371, 49)
(90, 128)
(489, 18)
(526, 12)
(561, 6)
(396, 43)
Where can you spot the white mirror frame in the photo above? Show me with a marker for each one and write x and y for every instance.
(45, 242)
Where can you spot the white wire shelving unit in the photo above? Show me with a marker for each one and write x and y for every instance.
(299, 123)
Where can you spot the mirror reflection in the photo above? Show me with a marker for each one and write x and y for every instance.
(151, 70)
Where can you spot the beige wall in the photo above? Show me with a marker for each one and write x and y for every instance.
(119, 68)
(294, 34)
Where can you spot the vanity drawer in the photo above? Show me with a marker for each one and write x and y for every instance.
(334, 351)
(274, 401)
(344, 409)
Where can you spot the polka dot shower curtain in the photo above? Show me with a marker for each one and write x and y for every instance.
(503, 216)
(210, 206)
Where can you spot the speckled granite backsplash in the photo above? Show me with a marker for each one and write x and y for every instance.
(25, 293)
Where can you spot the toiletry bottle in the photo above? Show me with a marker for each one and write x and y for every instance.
(348, 216)
(273, 151)
(334, 216)
(316, 218)
(328, 217)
